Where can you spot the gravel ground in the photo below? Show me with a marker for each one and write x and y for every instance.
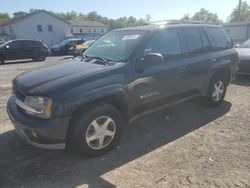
(185, 146)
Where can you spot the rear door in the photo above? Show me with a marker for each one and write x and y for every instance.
(14, 50)
(28, 49)
(200, 56)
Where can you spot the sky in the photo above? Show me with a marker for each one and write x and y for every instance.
(158, 9)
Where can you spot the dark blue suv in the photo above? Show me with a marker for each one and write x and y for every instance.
(84, 104)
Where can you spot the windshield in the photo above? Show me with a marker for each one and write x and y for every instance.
(246, 44)
(4, 43)
(64, 42)
(115, 46)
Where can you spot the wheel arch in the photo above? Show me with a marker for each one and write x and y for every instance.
(116, 100)
(223, 71)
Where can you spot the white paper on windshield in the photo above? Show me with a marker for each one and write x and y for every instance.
(130, 37)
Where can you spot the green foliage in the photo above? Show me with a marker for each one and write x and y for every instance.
(4, 17)
(111, 23)
(244, 13)
(203, 15)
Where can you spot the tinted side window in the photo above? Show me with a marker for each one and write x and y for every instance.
(16, 44)
(220, 39)
(193, 39)
(32, 44)
(166, 43)
(205, 40)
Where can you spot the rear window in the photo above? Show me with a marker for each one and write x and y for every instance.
(32, 43)
(196, 40)
(193, 39)
(220, 39)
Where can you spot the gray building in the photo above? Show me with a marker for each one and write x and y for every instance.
(45, 26)
(239, 32)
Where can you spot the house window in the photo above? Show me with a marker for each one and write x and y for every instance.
(11, 29)
(50, 28)
(71, 31)
(81, 30)
(39, 28)
(2, 30)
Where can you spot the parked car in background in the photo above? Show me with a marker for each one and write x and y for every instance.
(23, 49)
(244, 56)
(63, 47)
(85, 103)
(2, 41)
(78, 49)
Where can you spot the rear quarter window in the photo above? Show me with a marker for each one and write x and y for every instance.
(219, 38)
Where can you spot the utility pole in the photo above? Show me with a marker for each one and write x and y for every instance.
(239, 9)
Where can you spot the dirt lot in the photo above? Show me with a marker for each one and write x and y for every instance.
(185, 146)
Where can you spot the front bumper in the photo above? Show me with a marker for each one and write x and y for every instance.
(42, 133)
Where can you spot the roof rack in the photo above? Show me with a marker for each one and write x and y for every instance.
(168, 22)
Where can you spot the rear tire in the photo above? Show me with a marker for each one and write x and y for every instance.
(2, 60)
(95, 131)
(216, 91)
(41, 58)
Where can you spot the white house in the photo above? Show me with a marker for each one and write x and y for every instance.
(45, 26)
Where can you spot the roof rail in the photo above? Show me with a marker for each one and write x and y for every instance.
(168, 22)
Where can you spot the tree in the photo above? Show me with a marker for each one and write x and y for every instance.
(244, 15)
(203, 15)
(4, 17)
(111, 23)
(19, 14)
(32, 10)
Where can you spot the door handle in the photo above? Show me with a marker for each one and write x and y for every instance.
(213, 60)
(181, 69)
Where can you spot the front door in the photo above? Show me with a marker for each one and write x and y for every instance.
(13, 50)
(156, 83)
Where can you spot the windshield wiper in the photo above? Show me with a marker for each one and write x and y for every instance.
(104, 61)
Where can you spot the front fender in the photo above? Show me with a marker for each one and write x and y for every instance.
(70, 106)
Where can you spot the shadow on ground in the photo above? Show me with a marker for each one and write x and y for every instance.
(21, 164)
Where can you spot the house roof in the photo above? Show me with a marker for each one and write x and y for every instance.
(81, 23)
(72, 23)
(14, 20)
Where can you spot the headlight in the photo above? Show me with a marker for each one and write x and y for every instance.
(39, 106)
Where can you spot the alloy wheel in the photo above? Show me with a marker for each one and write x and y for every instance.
(100, 132)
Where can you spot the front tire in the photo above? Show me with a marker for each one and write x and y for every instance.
(96, 131)
(216, 91)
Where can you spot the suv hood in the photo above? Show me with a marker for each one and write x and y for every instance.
(51, 77)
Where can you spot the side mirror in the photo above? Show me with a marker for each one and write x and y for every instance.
(149, 60)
